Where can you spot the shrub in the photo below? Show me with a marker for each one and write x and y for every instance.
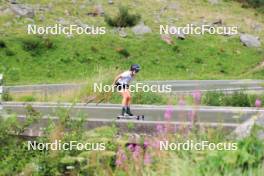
(148, 98)
(123, 19)
(36, 45)
(198, 60)
(28, 98)
(9, 52)
(237, 99)
(257, 4)
(48, 43)
(123, 51)
(176, 48)
(14, 74)
(6, 96)
(84, 59)
(181, 66)
(2, 44)
(213, 98)
(31, 44)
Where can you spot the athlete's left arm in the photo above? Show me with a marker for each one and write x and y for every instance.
(116, 78)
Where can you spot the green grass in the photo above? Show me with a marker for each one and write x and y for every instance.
(27, 59)
(74, 59)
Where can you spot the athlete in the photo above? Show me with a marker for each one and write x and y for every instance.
(121, 82)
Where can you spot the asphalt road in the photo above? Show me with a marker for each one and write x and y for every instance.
(205, 114)
(178, 86)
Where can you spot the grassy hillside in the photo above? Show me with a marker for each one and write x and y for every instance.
(37, 59)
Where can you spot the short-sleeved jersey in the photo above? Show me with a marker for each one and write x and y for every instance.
(125, 78)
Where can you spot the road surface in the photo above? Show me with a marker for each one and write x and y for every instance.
(178, 86)
(152, 113)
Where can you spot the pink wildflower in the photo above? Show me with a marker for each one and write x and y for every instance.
(121, 157)
(147, 159)
(168, 113)
(258, 103)
(197, 96)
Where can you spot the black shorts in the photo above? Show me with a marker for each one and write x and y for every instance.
(120, 87)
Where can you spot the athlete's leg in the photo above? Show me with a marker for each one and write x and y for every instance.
(124, 101)
(126, 97)
(129, 98)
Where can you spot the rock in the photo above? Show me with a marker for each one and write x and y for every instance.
(217, 22)
(110, 2)
(13, 2)
(82, 6)
(179, 33)
(81, 24)
(257, 27)
(97, 11)
(42, 18)
(167, 39)
(67, 13)
(23, 10)
(5, 11)
(62, 21)
(29, 20)
(50, 6)
(8, 24)
(213, 2)
(250, 40)
(244, 129)
(163, 10)
(122, 32)
(141, 29)
(174, 6)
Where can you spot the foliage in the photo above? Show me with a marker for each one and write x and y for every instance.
(124, 154)
(6, 96)
(37, 45)
(123, 19)
(237, 99)
(28, 98)
(2, 44)
(257, 4)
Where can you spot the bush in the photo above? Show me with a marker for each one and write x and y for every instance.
(2, 44)
(31, 44)
(257, 4)
(6, 96)
(123, 19)
(123, 51)
(9, 52)
(28, 98)
(213, 98)
(14, 74)
(36, 45)
(237, 99)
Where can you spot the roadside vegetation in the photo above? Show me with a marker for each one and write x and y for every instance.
(124, 154)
